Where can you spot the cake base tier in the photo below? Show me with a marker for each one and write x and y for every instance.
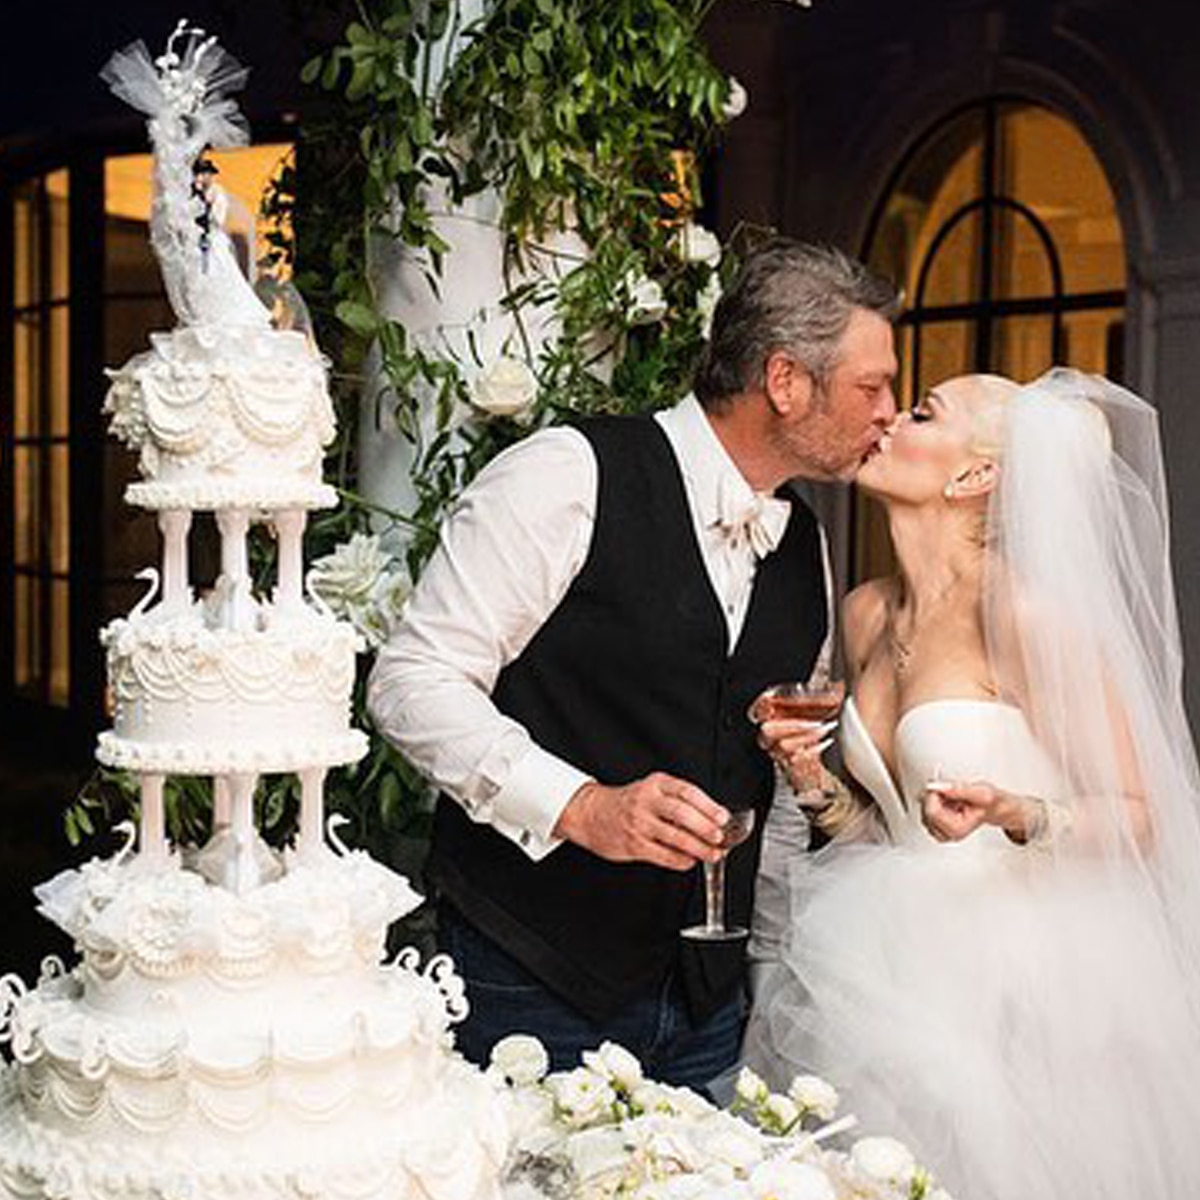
(449, 1143)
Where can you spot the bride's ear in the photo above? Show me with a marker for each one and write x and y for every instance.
(978, 478)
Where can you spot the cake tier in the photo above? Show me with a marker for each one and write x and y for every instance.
(213, 1045)
(190, 699)
(223, 418)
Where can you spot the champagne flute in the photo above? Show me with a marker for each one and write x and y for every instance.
(735, 831)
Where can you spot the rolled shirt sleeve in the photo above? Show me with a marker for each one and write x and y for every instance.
(511, 547)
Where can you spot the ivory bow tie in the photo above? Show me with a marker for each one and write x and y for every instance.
(761, 520)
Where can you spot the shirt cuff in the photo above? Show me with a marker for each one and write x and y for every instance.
(528, 806)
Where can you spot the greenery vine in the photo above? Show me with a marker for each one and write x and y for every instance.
(587, 115)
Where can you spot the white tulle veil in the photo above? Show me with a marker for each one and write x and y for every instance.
(1082, 626)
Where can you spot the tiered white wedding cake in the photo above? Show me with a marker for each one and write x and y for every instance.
(230, 1030)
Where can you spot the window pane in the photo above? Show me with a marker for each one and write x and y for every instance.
(26, 501)
(946, 349)
(27, 633)
(943, 175)
(60, 643)
(1021, 264)
(1045, 162)
(57, 201)
(60, 508)
(1095, 341)
(26, 374)
(58, 398)
(24, 242)
(1022, 347)
(953, 276)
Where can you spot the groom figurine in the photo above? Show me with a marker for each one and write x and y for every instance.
(574, 667)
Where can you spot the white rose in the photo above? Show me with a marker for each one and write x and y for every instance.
(736, 102)
(782, 1112)
(706, 303)
(582, 1096)
(884, 1159)
(781, 1179)
(349, 575)
(730, 1141)
(520, 1058)
(506, 388)
(647, 303)
(615, 1063)
(697, 244)
(597, 1152)
(750, 1088)
(815, 1096)
(662, 1098)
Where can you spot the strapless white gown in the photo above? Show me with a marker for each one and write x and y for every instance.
(1021, 1024)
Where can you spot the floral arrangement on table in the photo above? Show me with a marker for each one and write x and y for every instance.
(604, 1130)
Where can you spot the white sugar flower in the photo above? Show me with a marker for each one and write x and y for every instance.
(750, 1087)
(815, 1096)
(699, 245)
(507, 388)
(736, 102)
(781, 1179)
(616, 1064)
(582, 1096)
(884, 1159)
(520, 1058)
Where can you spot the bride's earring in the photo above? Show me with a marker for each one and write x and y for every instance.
(948, 491)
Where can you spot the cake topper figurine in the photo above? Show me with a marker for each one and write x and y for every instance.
(186, 92)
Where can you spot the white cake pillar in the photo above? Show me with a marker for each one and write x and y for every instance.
(289, 531)
(222, 804)
(152, 841)
(310, 840)
(174, 524)
(234, 524)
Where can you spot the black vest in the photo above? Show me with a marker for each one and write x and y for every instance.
(630, 674)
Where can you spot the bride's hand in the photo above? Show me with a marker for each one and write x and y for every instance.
(953, 811)
(797, 747)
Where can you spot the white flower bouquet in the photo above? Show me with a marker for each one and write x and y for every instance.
(604, 1131)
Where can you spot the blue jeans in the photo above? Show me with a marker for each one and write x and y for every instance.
(505, 998)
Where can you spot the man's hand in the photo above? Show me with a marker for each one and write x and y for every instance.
(661, 820)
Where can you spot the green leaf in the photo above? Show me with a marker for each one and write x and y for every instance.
(359, 317)
(311, 70)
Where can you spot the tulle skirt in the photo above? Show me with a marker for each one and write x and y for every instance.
(1025, 1027)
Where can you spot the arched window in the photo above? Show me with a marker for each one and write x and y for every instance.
(1002, 229)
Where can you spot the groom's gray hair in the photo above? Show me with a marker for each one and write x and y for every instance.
(791, 296)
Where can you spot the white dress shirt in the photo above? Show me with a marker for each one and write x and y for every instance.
(510, 549)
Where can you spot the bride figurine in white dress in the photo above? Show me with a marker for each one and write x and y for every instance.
(998, 956)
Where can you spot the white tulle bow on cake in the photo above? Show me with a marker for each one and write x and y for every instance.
(185, 92)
